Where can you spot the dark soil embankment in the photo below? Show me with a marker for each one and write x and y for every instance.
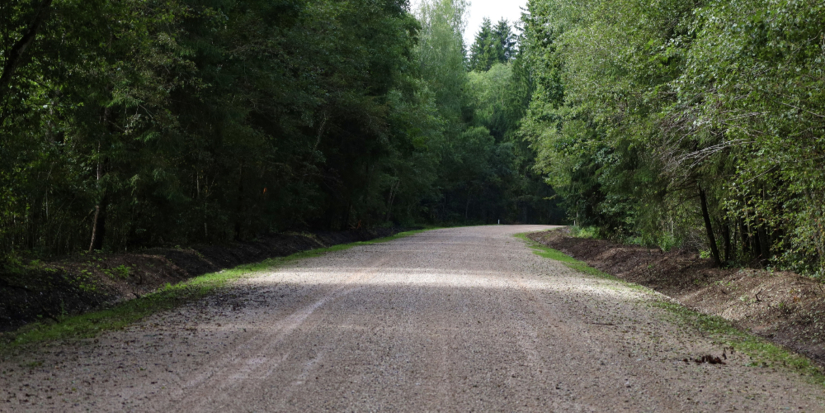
(73, 285)
(783, 307)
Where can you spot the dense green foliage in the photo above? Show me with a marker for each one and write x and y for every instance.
(127, 123)
(486, 171)
(492, 45)
(685, 122)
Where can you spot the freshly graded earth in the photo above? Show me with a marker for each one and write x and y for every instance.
(464, 319)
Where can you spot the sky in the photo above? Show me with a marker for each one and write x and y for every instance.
(494, 9)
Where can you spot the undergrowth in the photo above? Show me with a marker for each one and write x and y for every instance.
(584, 232)
(764, 353)
(123, 314)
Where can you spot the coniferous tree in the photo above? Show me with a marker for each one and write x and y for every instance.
(506, 41)
(483, 51)
(492, 45)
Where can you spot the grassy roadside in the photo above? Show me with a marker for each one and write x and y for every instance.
(763, 353)
(567, 260)
(121, 315)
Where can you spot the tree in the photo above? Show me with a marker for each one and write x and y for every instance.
(492, 45)
(127, 124)
(484, 51)
(676, 121)
(504, 36)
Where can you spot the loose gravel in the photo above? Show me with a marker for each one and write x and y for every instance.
(464, 319)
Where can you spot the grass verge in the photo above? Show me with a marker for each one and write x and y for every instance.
(763, 353)
(565, 259)
(121, 315)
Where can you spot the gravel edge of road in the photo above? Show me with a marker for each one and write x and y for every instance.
(89, 325)
(717, 328)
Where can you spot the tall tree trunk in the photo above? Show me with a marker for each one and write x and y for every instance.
(726, 237)
(99, 224)
(444, 207)
(346, 213)
(743, 238)
(391, 199)
(743, 233)
(714, 251)
(239, 207)
(756, 247)
(765, 236)
(764, 245)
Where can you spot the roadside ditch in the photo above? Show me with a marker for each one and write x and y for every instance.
(52, 291)
(782, 307)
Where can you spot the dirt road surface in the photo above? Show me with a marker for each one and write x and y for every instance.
(464, 319)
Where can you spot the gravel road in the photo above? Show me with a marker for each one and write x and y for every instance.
(464, 319)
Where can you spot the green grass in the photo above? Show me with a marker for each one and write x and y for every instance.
(721, 331)
(166, 298)
(764, 353)
(565, 259)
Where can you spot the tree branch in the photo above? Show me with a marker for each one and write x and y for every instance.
(15, 56)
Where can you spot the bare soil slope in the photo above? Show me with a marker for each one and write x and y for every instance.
(77, 284)
(783, 307)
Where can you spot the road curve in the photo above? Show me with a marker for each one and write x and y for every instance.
(463, 319)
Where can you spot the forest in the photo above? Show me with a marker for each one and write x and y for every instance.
(127, 124)
(698, 124)
(133, 123)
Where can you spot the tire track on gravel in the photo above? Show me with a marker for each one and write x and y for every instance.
(252, 360)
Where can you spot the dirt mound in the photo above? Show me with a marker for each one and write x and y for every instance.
(783, 307)
(77, 284)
